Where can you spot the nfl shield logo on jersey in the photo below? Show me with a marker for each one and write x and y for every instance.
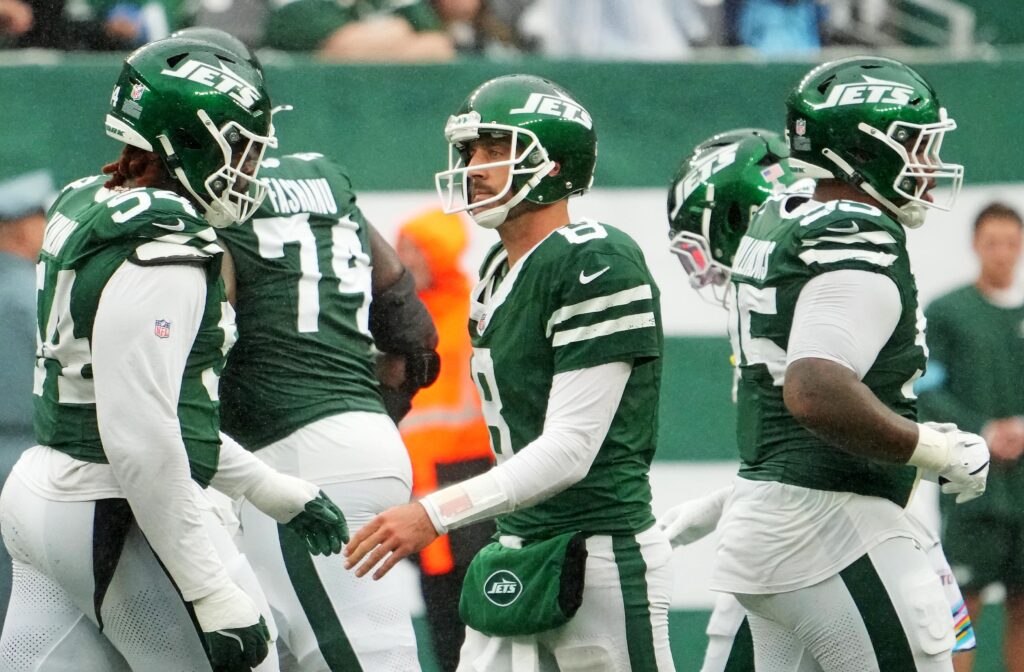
(800, 126)
(162, 328)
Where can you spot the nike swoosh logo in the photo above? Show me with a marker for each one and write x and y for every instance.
(852, 228)
(180, 226)
(586, 279)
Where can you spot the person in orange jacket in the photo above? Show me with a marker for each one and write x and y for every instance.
(444, 432)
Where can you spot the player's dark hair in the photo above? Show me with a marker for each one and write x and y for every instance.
(997, 210)
(146, 169)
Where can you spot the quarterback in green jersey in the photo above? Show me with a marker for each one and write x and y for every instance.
(567, 344)
(828, 337)
(118, 563)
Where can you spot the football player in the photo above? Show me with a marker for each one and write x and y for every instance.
(316, 291)
(567, 349)
(710, 202)
(827, 334)
(116, 562)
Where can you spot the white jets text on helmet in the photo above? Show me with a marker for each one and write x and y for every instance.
(870, 92)
(222, 79)
(556, 106)
(708, 165)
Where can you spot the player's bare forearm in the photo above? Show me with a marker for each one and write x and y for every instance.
(392, 535)
(829, 400)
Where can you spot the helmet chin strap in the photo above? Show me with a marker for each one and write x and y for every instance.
(910, 215)
(213, 212)
(494, 217)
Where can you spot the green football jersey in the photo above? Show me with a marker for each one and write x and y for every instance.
(583, 297)
(302, 267)
(90, 232)
(790, 241)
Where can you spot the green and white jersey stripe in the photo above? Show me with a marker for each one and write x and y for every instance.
(583, 297)
(303, 275)
(791, 240)
(91, 231)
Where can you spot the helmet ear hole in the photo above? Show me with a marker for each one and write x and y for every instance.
(734, 218)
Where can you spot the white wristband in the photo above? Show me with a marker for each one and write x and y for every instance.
(478, 498)
(932, 451)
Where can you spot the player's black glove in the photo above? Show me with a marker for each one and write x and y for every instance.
(322, 525)
(238, 649)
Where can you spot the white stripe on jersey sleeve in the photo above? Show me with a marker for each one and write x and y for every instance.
(870, 237)
(598, 304)
(832, 256)
(638, 321)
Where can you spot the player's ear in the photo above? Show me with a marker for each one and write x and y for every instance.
(556, 170)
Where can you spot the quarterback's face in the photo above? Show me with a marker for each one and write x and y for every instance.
(486, 180)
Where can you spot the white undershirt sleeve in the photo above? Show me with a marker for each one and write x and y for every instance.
(846, 317)
(581, 407)
(138, 377)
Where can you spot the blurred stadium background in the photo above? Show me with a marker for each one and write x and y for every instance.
(384, 122)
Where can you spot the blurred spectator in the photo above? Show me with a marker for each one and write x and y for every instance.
(104, 25)
(445, 432)
(477, 28)
(975, 378)
(22, 203)
(652, 30)
(777, 27)
(359, 30)
(15, 18)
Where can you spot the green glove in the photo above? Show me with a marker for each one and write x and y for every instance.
(238, 649)
(322, 525)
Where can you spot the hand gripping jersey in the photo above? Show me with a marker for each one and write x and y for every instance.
(791, 240)
(303, 275)
(582, 297)
(91, 231)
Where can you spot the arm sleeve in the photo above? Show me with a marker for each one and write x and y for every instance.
(846, 317)
(581, 406)
(137, 380)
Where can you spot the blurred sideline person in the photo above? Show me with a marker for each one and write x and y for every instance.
(711, 200)
(445, 431)
(567, 348)
(116, 563)
(23, 203)
(409, 31)
(316, 289)
(826, 330)
(976, 379)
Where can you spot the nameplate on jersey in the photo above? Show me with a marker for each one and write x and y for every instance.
(312, 195)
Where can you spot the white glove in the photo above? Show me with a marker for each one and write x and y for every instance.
(957, 460)
(693, 520)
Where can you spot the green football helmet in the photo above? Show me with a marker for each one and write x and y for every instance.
(713, 195)
(205, 113)
(224, 40)
(547, 128)
(878, 125)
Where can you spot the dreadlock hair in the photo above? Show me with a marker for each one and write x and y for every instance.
(141, 168)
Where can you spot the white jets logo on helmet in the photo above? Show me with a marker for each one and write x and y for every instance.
(222, 79)
(556, 106)
(703, 169)
(870, 92)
